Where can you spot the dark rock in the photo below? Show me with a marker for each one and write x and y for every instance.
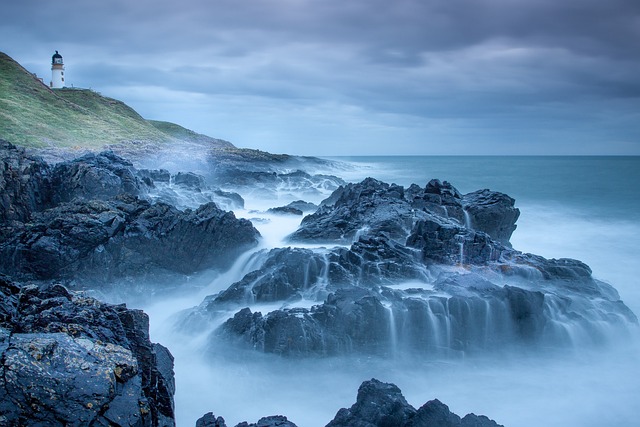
(370, 207)
(444, 241)
(124, 237)
(210, 420)
(286, 273)
(155, 175)
(303, 206)
(189, 180)
(187, 190)
(378, 405)
(95, 176)
(286, 210)
(493, 213)
(271, 421)
(382, 405)
(25, 184)
(436, 413)
(72, 360)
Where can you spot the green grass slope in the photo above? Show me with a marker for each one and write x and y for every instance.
(33, 115)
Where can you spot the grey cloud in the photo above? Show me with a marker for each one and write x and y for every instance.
(492, 63)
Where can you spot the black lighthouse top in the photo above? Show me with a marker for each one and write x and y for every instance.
(56, 58)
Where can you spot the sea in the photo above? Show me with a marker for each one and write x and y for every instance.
(587, 208)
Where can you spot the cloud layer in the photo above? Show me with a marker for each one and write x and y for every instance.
(357, 77)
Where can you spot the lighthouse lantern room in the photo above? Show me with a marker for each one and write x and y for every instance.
(57, 71)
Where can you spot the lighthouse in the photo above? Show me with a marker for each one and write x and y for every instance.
(57, 71)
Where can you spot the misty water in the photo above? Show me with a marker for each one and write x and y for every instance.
(587, 208)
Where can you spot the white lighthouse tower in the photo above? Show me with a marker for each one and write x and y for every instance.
(57, 71)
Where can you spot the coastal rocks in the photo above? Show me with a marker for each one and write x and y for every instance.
(210, 420)
(378, 404)
(126, 236)
(266, 183)
(83, 219)
(72, 360)
(491, 212)
(186, 190)
(443, 290)
(369, 207)
(382, 404)
(25, 183)
(446, 242)
(372, 207)
(95, 176)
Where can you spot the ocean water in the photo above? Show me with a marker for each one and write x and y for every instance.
(586, 208)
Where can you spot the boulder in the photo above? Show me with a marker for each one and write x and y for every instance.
(95, 176)
(491, 212)
(210, 420)
(370, 207)
(381, 404)
(72, 360)
(377, 404)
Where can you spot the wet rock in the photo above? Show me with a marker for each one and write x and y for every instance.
(126, 236)
(369, 207)
(187, 190)
(95, 176)
(381, 404)
(25, 183)
(493, 213)
(189, 180)
(285, 210)
(436, 413)
(271, 421)
(377, 404)
(210, 420)
(303, 206)
(444, 241)
(72, 360)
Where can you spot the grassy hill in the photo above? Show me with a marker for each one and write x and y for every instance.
(33, 115)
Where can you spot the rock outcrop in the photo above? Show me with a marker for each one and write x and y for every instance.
(70, 360)
(372, 207)
(210, 420)
(381, 404)
(125, 236)
(378, 404)
(415, 280)
(85, 218)
(95, 177)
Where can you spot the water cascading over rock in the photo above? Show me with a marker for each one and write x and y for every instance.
(416, 280)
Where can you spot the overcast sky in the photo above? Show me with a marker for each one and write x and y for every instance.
(354, 77)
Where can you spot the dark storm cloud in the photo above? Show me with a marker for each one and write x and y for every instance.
(422, 68)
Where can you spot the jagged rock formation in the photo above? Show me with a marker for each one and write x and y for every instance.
(469, 292)
(84, 219)
(378, 404)
(373, 207)
(381, 404)
(210, 420)
(72, 360)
